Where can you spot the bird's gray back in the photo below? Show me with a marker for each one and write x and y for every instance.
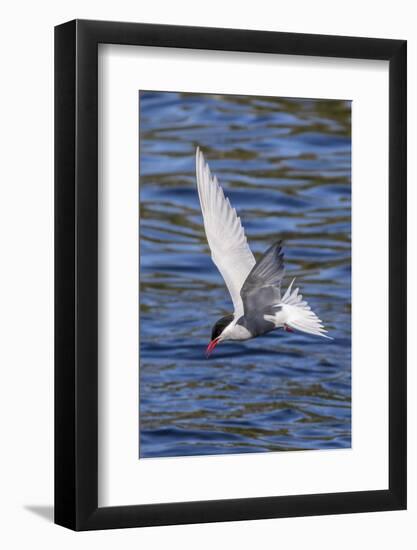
(256, 323)
(262, 287)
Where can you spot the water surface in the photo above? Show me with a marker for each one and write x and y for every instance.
(285, 165)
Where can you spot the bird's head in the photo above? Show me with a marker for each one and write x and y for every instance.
(219, 332)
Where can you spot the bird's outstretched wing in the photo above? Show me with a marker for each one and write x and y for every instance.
(225, 235)
(262, 287)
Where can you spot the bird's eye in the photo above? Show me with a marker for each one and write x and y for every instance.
(215, 333)
(220, 326)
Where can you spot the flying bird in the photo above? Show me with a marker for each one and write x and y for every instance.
(254, 286)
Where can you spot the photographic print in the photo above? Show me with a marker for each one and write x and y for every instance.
(245, 274)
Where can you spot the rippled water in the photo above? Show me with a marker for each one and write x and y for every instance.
(285, 164)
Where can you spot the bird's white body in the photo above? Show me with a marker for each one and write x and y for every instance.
(255, 287)
(235, 332)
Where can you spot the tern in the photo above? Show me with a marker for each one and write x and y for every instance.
(254, 286)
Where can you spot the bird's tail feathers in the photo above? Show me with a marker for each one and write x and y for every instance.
(299, 314)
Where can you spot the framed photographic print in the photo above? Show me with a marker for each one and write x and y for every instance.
(230, 275)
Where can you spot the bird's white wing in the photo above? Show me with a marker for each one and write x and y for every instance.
(225, 235)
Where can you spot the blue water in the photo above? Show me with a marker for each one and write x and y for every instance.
(285, 164)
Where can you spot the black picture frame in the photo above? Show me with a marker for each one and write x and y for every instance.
(76, 272)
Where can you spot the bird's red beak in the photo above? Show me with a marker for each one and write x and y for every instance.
(211, 346)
